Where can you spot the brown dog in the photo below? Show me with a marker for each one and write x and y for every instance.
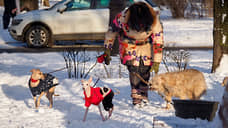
(223, 110)
(95, 96)
(41, 84)
(187, 84)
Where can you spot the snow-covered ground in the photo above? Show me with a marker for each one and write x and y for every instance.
(17, 107)
(16, 103)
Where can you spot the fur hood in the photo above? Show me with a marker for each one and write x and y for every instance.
(156, 26)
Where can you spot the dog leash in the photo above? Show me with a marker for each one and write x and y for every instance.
(96, 82)
(57, 70)
(117, 91)
(136, 74)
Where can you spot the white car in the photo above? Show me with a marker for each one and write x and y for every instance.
(66, 20)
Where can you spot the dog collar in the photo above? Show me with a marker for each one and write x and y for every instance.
(33, 81)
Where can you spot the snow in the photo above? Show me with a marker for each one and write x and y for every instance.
(17, 105)
(223, 68)
(185, 32)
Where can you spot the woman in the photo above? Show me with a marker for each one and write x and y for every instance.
(140, 37)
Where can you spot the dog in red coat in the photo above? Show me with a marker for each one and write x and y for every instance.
(95, 96)
(223, 110)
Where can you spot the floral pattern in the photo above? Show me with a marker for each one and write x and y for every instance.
(135, 46)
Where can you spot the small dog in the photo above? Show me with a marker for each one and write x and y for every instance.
(95, 96)
(223, 110)
(187, 84)
(40, 84)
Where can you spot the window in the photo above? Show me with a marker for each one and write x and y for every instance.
(129, 2)
(103, 3)
(78, 5)
(58, 3)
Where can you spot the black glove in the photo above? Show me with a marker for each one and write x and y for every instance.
(107, 58)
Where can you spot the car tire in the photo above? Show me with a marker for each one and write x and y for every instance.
(37, 36)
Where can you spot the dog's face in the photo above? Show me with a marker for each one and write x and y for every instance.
(37, 74)
(86, 84)
(225, 81)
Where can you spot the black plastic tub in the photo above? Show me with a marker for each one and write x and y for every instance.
(195, 109)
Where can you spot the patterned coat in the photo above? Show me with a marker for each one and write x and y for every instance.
(44, 85)
(134, 45)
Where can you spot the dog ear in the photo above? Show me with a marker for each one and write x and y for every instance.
(82, 81)
(90, 80)
(225, 81)
(32, 70)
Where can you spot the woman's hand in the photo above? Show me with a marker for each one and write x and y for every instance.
(155, 67)
(105, 57)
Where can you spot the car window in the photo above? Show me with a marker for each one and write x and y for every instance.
(58, 3)
(151, 3)
(102, 3)
(129, 2)
(105, 3)
(78, 5)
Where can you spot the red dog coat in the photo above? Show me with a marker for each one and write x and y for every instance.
(96, 96)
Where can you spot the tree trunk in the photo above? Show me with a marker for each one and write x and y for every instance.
(1, 3)
(220, 32)
(29, 5)
(209, 7)
(46, 3)
(177, 7)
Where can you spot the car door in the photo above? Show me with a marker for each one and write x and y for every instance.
(100, 14)
(76, 18)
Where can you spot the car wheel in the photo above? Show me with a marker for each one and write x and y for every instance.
(37, 36)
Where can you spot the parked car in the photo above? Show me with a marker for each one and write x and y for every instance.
(66, 20)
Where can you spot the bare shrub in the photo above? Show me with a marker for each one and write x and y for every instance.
(114, 71)
(76, 62)
(176, 60)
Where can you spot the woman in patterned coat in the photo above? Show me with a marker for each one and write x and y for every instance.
(140, 37)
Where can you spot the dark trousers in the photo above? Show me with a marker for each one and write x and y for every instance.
(6, 18)
(9, 5)
(139, 90)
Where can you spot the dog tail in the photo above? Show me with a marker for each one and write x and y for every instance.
(56, 95)
(116, 92)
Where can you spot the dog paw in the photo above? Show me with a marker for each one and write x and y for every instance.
(105, 118)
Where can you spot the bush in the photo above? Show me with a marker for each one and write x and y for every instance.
(176, 60)
(76, 63)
